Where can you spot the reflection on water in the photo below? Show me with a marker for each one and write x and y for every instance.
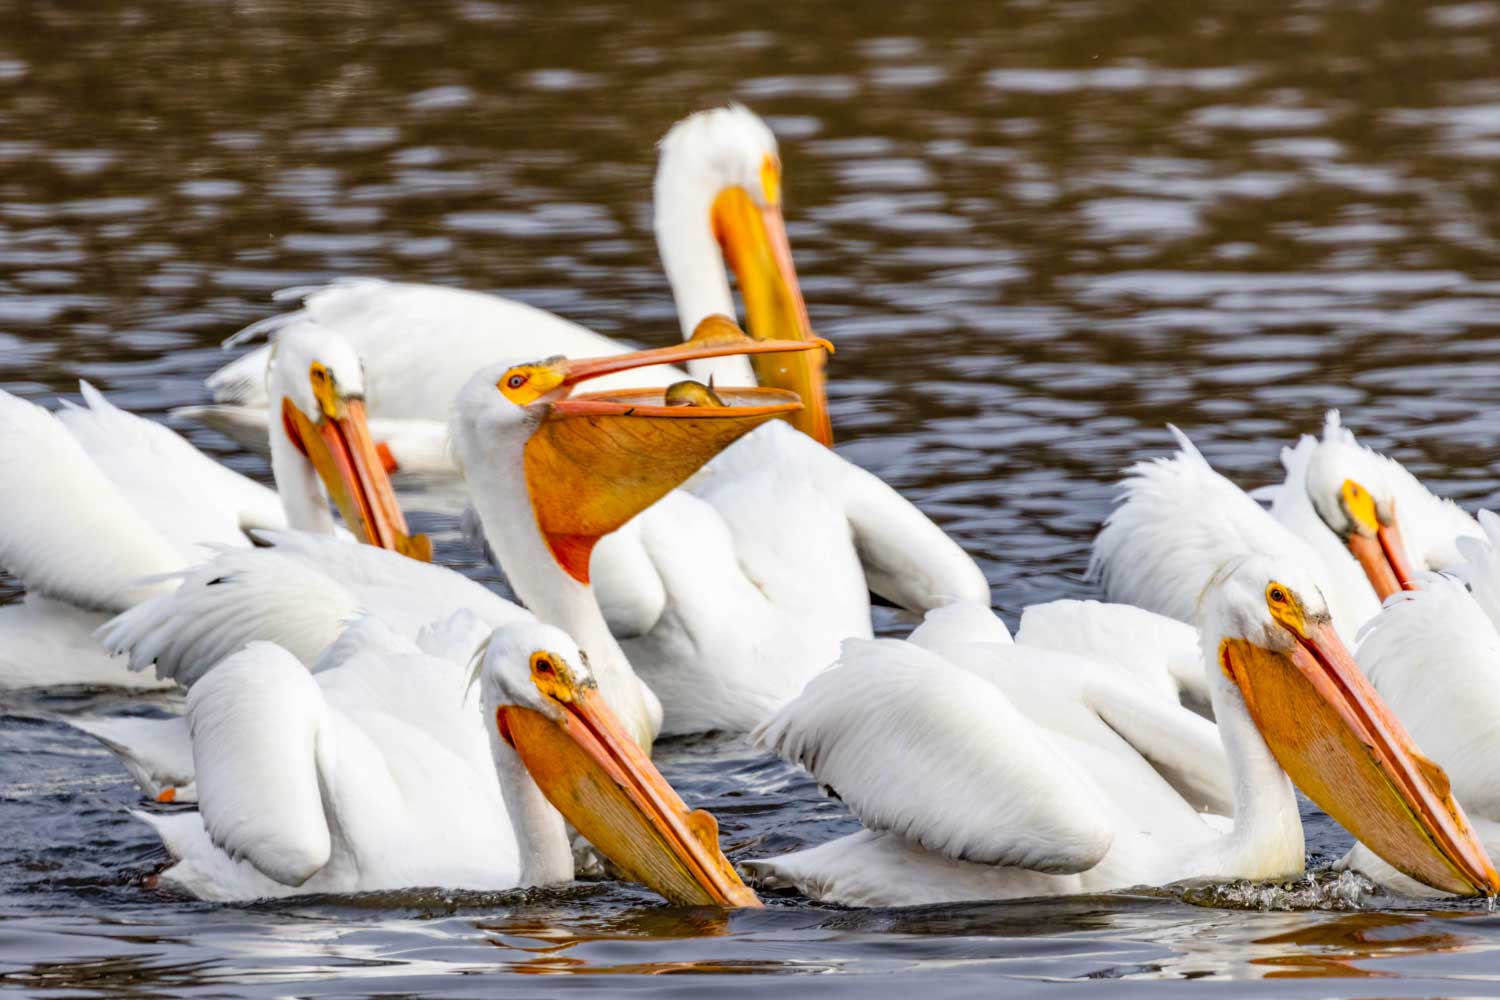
(1332, 949)
(1036, 231)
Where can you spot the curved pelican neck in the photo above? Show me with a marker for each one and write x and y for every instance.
(546, 856)
(545, 588)
(694, 262)
(1266, 840)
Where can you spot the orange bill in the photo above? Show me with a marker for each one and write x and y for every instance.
(1383, 558)
(753, 237)
(340, 448)
(1339, 742)
(598, 459)
(596, 775)
(1374, 539)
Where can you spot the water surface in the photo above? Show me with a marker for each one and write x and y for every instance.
(1036, 231)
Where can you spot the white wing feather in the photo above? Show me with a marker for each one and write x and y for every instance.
(301, 594)
(48, 643)
(243, 594)
(258, 784)
(68, 531)
(1116, 729)
(917, 747)
(1178, 522)
(1434, 655)
(420, 343)
(1160, 652)
(189, 498)
(158, 753)
(957, 625)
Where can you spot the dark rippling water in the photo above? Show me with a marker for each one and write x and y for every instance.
(1037, 232)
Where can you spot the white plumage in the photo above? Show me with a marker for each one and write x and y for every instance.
(300, 592)
(158, 753)
(419, 343)
(45, 642)
(1161, 653)
(1434, 654)
(102, 507)
(71, 532)
(771, 561)
(373, 773)
(1307, 500)
(1179, 522)
(996, 770)
(108, 509)
(959, 733)
(388, 767)
(730, 596)
(1028, 770)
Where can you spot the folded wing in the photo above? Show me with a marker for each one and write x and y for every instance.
(917, 747)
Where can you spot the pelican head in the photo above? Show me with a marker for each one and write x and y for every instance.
(1349, 489)
(592, 461)
(718, 201)
(1329, 730)
(544, 705)
(321, 383)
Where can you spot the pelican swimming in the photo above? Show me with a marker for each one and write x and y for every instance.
(551, 470)
(1342, 508)
(717, 206)
(105, 509)
(1434, 655)
(386, 769)
(1365, 513)
(770, 552)
(965, 797)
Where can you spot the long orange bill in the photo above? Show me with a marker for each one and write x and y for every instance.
(1339, 742)
(598, 459)
(755, 245)
(348, 461)
(1383, 558)
(596, 775)
(715, 337)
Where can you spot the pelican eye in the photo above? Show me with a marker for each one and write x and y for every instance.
(1286, 608)
(324, 388)
(770, 179)
(525, 384)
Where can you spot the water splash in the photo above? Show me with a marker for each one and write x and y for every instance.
(1318, 890)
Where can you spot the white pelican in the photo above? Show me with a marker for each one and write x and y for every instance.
(1365, 513)
(1178, 521)
(964, 797)
(550, 470)
(385, 769)
(772, 551)
(718, 200)
(1434, 655)
(769, 557)
(1362, 519)
(105, 509)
